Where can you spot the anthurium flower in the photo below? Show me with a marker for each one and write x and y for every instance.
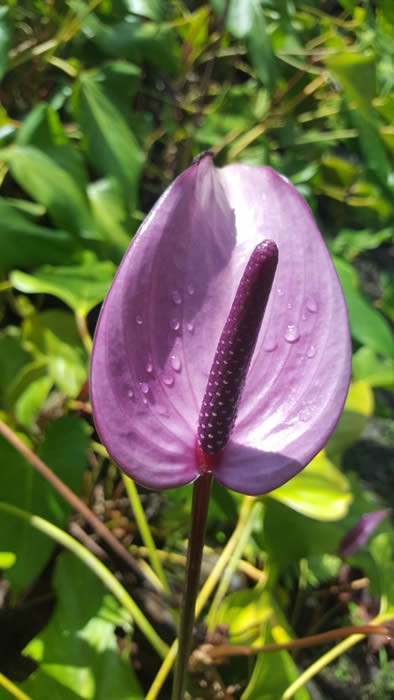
(359, 535)
(164, 400)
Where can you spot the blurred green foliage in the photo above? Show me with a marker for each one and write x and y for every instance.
(102, 104)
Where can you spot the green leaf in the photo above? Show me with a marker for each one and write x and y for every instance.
(358, 408)
(23, 242)
(110, 143)
(259, 47)
(43, 129)
(356, 72)
(7, 559)
(80, 287)
(44, 180)
(366, 324)
(13, 357)
(5, 38)
(319, 491)
(31, 401)
(367, 366)
(64, 450)
(54, 339)
(77, 653)
(109, 209)
(119, 80)
(254, 618)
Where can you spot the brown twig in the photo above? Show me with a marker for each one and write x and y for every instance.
(210, 654)
(73, 499)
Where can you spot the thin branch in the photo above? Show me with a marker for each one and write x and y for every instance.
(73, 499)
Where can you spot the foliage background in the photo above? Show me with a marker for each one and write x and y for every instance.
(103, 103)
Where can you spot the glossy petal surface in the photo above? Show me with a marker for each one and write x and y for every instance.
(163, 316)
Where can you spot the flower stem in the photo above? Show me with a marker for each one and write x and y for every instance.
(201, 493)
(144, 530)
(82, 326)
(12, 688)
(204, 594)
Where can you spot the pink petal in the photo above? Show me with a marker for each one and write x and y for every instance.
(164, 314)
(359, 535)
(300, 372)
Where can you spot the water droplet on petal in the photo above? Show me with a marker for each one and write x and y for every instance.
(289, 306)
(174, 324)
(176, 363)
(168, 379)
(149, 367)
(280, 291)
(311, 352)
(138, 320)
(292, 334)
(305, 413)
(176, 297)
(144, 387)
(270, 345)
(130, 393)
(190, 326)
(190, 289)
(311, 305)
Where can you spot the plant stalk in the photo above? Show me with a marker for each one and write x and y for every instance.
(201, 494)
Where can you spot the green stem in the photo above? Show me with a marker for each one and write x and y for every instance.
(327, 658)
(204, 594)
(104, 574)
(145, 532)
(201, 493)
(82, 326)
(255, 513)
(12, 688)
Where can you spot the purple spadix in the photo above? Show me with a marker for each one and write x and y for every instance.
(234, 351)
(205, 357)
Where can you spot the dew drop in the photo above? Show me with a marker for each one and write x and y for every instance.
(176, 297)
(175, 363)
(168, 379)
(280, 291)
(311, 352)
(190, 326)
(144, 387)
(149, 367)
(190, 289)
(270, 345)
(311, 305)
(305, 413)
(138, 320)
(289, 306)
(130, 393)
(145, 400)
(292, 334)
(174, 324)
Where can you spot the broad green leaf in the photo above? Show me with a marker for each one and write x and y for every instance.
(110, 143)
(23, 242)
(109, 209)
(48, 183)
(54, 340)
(80, 287)
(5, 38)
(64, 450)
(254, 618)
(43, 129)
(13, 357)
(289, 536)
(119, 80)
(259, 47)
(356, 72)
(352, 243)
(136, 41)
(77, 652)
(31, 401)
(319, 491)
(368, 367)
(7, 559)
(366, 323)
(239, 19)
(358, 408)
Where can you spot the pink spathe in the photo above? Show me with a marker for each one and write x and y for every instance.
(164, 314)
